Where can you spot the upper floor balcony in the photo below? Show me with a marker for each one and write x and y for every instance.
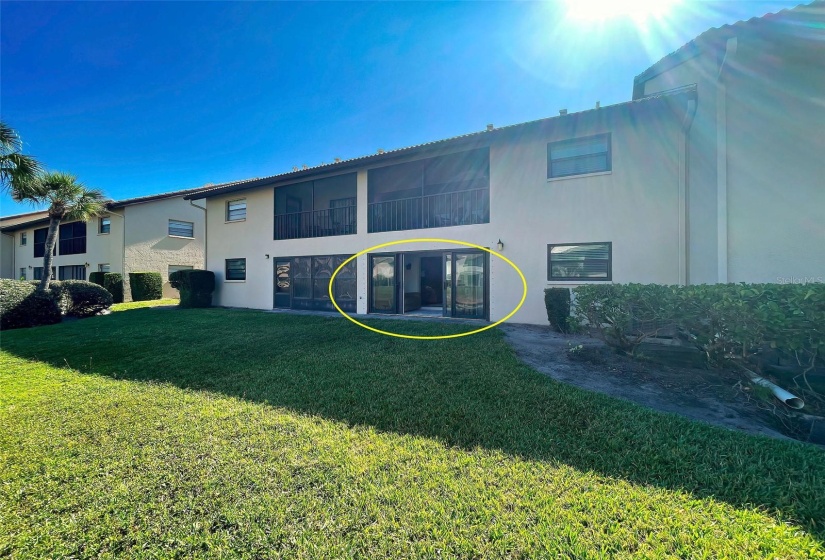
(316, 208)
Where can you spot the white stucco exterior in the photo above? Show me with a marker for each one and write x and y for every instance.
(637, 206)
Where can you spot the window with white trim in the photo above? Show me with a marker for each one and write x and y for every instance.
(579, 156)
(236, 210)
(178, 228)
(582, 261)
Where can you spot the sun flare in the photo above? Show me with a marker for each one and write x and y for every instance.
(640, 11)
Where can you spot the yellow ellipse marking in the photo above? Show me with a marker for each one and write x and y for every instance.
(427, 240)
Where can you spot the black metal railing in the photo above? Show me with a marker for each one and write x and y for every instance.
(440, 210)
(318, 223)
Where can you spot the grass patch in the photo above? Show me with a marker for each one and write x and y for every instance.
(216, 432)
(143, 304)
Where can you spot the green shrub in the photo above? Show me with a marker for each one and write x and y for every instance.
(21, 305)
(84, 299)
(96, 277)
(725, 321)
(146, 286)
(557, 302)
(195, 287)
(113, 282)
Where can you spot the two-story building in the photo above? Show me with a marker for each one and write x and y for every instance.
(712, 173)
(157, 233)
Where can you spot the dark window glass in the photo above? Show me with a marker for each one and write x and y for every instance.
(236, 210)
(236, 269)
(105, 225)
(578, 156)
(40, 241)
(320, 208)
(308, 278)
(38, 273)
(181, 229)
(23, 239)
(449, 190)
(72, 238)
(585, 261)
(72, 272)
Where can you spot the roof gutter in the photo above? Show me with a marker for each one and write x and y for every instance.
(205, 233)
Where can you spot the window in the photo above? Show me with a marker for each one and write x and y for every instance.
(236, 269)
(236, 210)
(105, 225)
(318, 208)
(22, 273)
(23, 239)
(583, 261)
(105, 267)
(40, 242)
(578, 156)
(303, 283)
(448, 190)
(38, 273)
(181, 229)
(72, 272)
(73, 238)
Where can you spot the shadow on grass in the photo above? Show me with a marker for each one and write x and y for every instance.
(467, 392)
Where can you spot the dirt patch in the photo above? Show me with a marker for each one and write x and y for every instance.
(715, 397)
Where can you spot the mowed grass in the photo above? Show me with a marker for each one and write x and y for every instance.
(143, 304)
(229, 433)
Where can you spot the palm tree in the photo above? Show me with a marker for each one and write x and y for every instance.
(17, 171)
(67, 200)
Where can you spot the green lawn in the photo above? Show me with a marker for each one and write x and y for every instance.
(143, 304)
(210, 432)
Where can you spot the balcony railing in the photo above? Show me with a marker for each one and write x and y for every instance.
(460, 208)
(318, 223)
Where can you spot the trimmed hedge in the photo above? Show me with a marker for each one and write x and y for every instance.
(113, 283)
(21, 305)
(737, 322)
(195, 287)
(97, 277)
(557, 302)
(83, 299)
(145, 286)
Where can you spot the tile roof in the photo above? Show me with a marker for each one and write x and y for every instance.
(797, 14)
(388, 155)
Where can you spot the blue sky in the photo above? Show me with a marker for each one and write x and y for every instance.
(140, 98)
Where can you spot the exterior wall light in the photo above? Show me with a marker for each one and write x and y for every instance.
(87, 265)
(500, 245)
(267, 255)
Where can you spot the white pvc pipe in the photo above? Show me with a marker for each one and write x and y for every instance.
(789, 399)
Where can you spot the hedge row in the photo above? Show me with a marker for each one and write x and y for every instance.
(21, 305)
(113, 282)
(195, 287)
(146, 286)
(725, 321)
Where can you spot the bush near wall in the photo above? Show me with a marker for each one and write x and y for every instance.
(83, 299)
(725, 321)
(557, 302)
(113, 283)
(21, 305)
(145, 286)
(195, 287)
(97, 277)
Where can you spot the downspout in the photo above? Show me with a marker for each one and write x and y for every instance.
(684, 185)
(205, 235)
(722, 165)
(13, 256)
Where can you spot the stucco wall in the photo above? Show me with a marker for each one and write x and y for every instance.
(635, 206)
(7, 256)
(150, 248)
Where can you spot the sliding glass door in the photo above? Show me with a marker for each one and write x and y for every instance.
(383, 284)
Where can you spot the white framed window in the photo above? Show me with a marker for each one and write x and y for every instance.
(178, 228)
(580, 261)
(579, 156)
(104, 267)
(105, 225)
(24, 238)
(235, 269)
(236, 210)
(22, 273)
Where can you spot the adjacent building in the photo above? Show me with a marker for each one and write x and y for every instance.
(159, 233)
